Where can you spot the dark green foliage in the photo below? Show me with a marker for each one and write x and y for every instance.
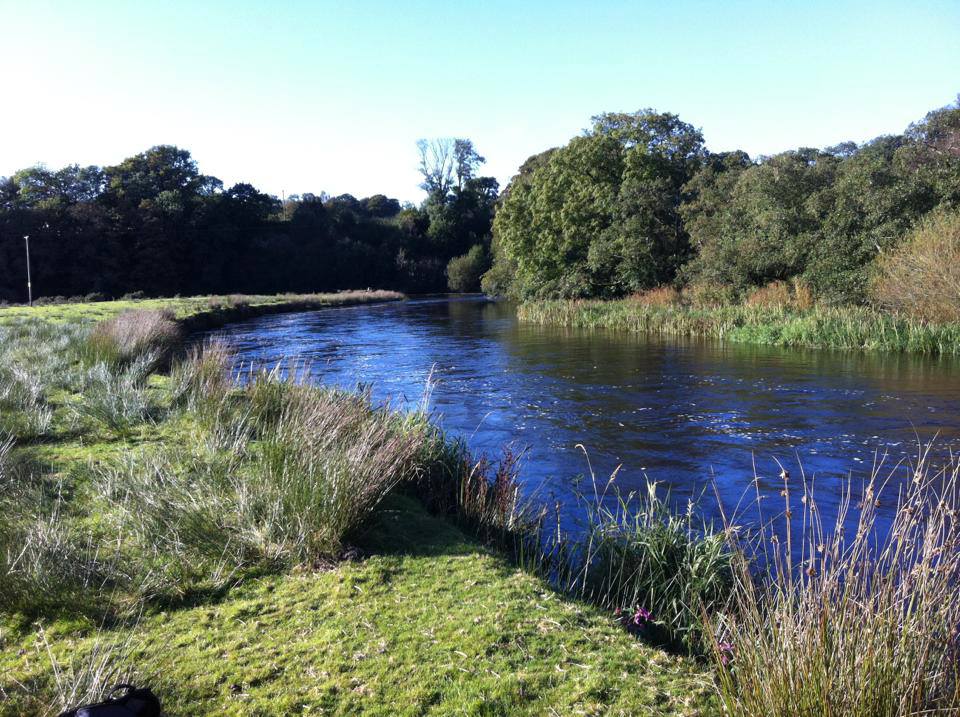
(636, 202)
(154, 224)
(464, 272)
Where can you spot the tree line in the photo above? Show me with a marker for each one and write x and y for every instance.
(155, 225)
(637, 201)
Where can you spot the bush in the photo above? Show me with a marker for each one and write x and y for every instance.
(464, 272)
(921, 278)
(499, 278)
(661, 296)
(707, 295)
(782, 295)
(775, 295)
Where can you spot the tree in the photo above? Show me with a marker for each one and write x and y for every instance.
(466, 161)
(447, 163)
(600, 216)
(437, 163)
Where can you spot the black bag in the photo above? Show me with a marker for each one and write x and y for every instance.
(134, 703)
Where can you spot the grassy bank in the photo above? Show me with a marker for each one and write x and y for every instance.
(250, 549)
(428, 621)
(196, 312)
(818, 327)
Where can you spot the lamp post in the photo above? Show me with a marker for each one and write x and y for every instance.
(26, 241)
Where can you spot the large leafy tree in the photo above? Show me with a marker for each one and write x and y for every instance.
(599, 216)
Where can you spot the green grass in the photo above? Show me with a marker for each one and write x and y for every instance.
(228, 545)
(430, 622)
(187, 308)
(820, 327)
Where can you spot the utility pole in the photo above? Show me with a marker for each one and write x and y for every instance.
(26, 240)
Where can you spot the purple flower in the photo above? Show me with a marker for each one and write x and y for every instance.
(726, 653)
(641, 616)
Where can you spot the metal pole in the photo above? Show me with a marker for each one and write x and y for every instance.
(26, 240)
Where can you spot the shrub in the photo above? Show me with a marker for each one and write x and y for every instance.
(921, 278)
(775, 295)
(795, 294)
(464, 272)
(706, 295)
(802, 294)
(661, 296)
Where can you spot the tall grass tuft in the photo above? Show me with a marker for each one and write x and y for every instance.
(46, 563)
(202, 378)
(36, 360)
(89, 675)
(657, 566)
(118, 398)
(133, 334)
(306, 467)
(326, 460)
(866, 622)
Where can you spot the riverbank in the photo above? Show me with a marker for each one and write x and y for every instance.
(198, 312)
(133, 546)
(858, 328)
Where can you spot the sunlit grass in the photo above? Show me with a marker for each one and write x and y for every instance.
(819, 327)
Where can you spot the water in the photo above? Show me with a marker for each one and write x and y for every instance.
(689, 414)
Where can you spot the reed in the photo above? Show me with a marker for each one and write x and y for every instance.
(865, 621)
(860, 328)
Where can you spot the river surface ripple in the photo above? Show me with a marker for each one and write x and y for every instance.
(689, 414)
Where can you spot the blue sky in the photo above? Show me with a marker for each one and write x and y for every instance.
(330, 96)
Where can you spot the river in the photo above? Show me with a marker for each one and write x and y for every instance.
(688, 414)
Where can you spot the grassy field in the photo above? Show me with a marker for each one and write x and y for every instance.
(253, 550)
(818, 327)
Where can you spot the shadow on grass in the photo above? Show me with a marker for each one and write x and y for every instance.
(402, 526)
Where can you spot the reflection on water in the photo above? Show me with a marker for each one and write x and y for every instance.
(686, 413)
